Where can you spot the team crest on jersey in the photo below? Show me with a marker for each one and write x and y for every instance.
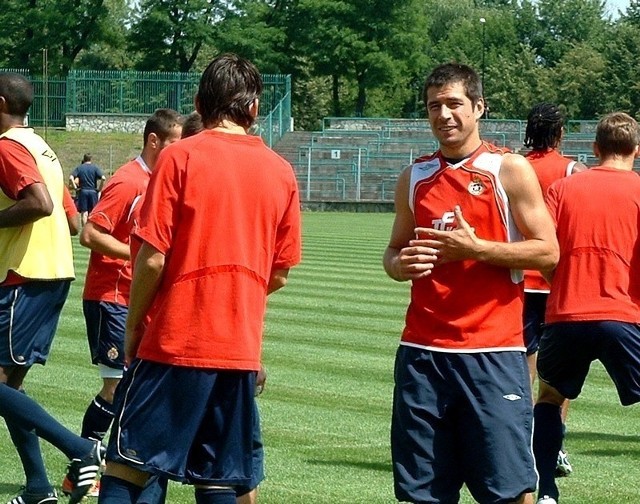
(112, 354)
(476, 187)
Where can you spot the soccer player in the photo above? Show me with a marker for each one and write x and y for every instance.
(108, 279)
(87, 179)
(545, 128)
(36, 270)
(593, 311)
(462, 407)
(221, 228)
(71, 211)
(246, 494)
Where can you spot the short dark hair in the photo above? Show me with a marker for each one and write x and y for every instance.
(617, 133)
(161, 123)
(17, 92)
(451, 73)
(86, 158)
(227, 87)
(192, 125)
(544, 127)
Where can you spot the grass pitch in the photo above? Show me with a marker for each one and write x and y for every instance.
(330, 340)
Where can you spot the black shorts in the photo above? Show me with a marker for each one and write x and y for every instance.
(29, 314)
(567, 350)
(105, 332)
(535, 305)
(87, 200)
(190, 425)
(461, 418)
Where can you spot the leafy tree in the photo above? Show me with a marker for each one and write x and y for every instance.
(168, 35)
(564, 23)
(109, 52)
(64, 28)
(621, 77)
(366, 42)
(578, 79)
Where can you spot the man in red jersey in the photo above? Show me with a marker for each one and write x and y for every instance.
(593, 311)
(221, 228)
(462, 399)
(107, 283)
(545, 127)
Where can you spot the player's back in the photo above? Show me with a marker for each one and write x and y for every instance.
(549, 166)
(597, 215)
(224, 209)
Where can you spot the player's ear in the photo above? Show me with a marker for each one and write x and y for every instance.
(253, 107)
(596, 150)
(196, 103)
(479, 108)
(153, 140)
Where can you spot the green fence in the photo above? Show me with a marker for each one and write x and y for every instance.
(131, 92)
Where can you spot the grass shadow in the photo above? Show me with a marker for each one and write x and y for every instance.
(369, 466)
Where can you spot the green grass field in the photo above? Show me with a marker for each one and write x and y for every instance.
(331, 336)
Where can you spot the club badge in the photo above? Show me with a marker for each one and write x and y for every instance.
(476, 187)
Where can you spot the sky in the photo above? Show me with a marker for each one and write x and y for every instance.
(614, 5)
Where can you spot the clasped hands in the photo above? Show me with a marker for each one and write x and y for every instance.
(433, 247)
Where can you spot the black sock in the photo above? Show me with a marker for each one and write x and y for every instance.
(547, 440)
(97, 419)
(117, 491)
(215, 496)
(154, 491)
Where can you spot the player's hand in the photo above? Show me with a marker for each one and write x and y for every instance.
(261, 380)
(455, 245)
(415, 261)
(132, 337)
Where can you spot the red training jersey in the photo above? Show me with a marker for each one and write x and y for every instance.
(18, 169)
(109, 279)
(465, 306)
(597, 278)
(224, 210)
(549, 166)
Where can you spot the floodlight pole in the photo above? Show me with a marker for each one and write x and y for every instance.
(483, 22)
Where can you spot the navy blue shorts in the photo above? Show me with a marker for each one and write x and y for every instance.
(189, 425)
(461, 419)
(535, 305)
(105, 332)
(87, 200)
(257, 455)
(29, 315)
(567, 350)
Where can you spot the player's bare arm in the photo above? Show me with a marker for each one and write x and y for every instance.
(34, 202)
(403, 261)
(278, 279)
(99, 240)
(578, 167)
(147, 274)
(538, 250)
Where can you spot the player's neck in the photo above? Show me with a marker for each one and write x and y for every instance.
(230, 127)
(623, 163)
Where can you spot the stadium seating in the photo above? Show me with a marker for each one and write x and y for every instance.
(359, 159)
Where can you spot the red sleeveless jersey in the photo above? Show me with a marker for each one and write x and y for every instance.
(465, 306)
(549, 166)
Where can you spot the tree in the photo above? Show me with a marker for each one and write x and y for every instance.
(564, 23)
(168, 35)
(109, 52)
(367, 43)
(64, 28)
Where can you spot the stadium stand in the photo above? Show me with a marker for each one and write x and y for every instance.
(359, 159)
